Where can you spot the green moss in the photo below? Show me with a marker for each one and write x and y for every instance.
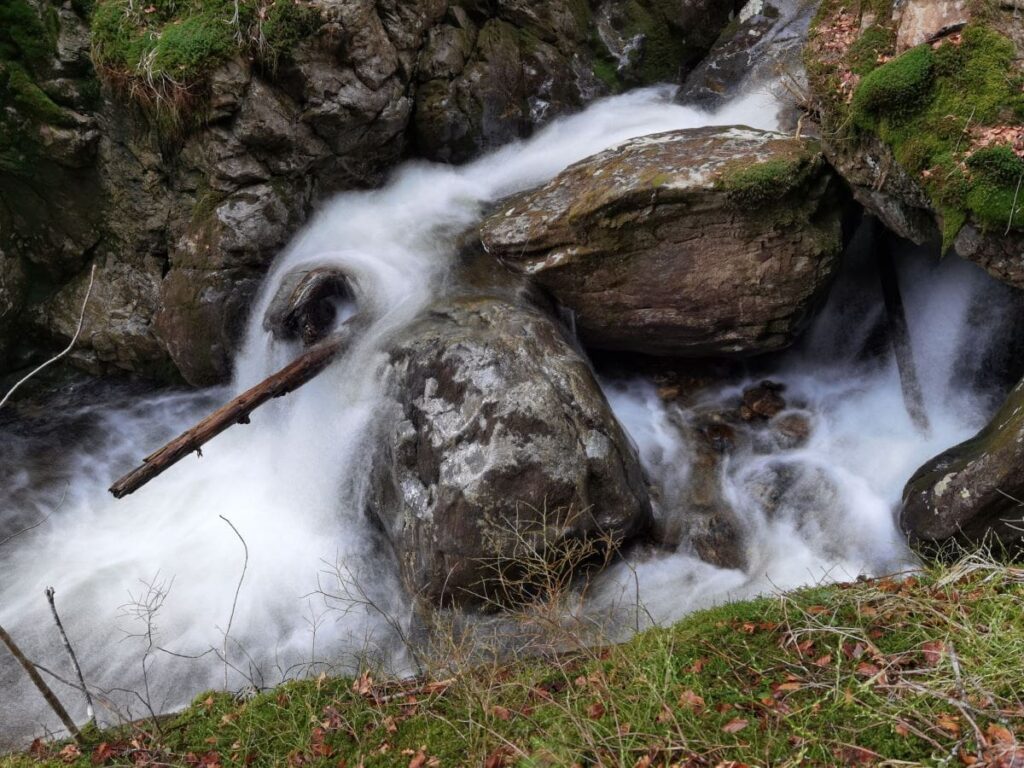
(24, 36)
(896, 89)
(187, 49)
(167, 49)
(664, 51)
(874, 42)
(765, 183)
(28, 98)
(286, 25)
(837, 675)
(925, 105)
(606, 70)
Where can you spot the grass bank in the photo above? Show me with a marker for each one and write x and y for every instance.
(927, 670)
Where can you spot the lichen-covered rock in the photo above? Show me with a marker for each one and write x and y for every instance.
(921, 21)
(973, 492)
(502, 436)
(712, 241)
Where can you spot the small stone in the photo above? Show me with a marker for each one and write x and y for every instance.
(669, 392)
(762, 401)
(792, 429)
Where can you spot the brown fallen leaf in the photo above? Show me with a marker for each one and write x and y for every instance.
(735, 725)
(502, 713)
(690, 700)
(999, 734)
(596, 711)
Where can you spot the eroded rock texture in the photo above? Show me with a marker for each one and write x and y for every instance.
(973, 492)
(183, 219)
(711, 241)
(503, 443)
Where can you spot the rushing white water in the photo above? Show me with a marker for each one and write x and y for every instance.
(832, 518)
(290, 483)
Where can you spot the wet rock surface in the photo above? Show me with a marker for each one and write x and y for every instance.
(711, 241)
(972, 493)
(190, 216)
(760, 49)
(502, 439)
(696, 508)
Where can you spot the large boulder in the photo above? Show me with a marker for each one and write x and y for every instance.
(502, 442)
(711, 241)
(974, 492)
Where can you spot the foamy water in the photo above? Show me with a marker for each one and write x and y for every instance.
(291, 483)
(835, 518)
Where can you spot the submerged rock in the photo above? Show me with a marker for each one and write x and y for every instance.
(710, 241)
(974, 491)
(503, 442)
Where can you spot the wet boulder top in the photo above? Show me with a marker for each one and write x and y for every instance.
(716, 240)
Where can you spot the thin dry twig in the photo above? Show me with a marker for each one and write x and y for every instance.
(238, 589)
(67, 349)
(90, 711)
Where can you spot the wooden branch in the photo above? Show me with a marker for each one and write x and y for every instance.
(41, 686)
(50, 592)
(312, 362)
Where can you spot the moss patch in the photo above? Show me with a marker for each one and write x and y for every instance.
(167, 49)
(855, 674)
(664, 51)
(931, 106)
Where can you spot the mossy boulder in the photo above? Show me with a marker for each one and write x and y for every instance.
(974, 492)
(929, 137)
(711, 241)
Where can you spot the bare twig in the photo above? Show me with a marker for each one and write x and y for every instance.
(1013, 206)
(41, 686)
(60, 355)
(90, 711)
(238, 589)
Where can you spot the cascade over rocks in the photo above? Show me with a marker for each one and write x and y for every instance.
(183, 215)
(972, 493)
(502, 439)
(710, 241)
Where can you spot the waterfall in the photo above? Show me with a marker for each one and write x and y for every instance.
(291, 483)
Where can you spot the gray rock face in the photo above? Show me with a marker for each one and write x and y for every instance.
(972, 492)
(762, 44)
(191, 222)
(502, 437)
(714, 241)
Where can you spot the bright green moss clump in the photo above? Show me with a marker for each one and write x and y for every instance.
(171, 46)
(895, 89)
(927, 106)
(765, 183)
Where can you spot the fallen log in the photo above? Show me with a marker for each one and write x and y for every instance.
(311, 362)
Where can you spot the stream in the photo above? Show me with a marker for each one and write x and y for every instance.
(251, 565)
